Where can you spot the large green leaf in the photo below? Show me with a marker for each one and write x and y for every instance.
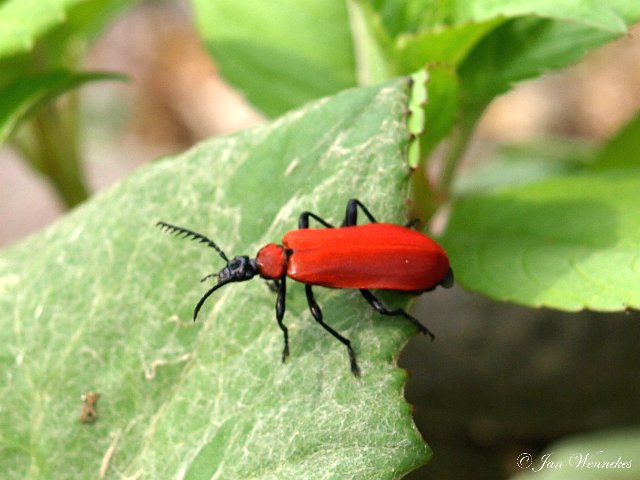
(102, 300)
(568, 243)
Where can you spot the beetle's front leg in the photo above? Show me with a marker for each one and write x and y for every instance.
(303, 220)
(273, 285)
(280, 309)
(351, 215)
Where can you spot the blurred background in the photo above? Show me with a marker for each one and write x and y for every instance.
(175, 98)
(500, 379)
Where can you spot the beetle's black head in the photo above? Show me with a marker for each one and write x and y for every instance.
(239, 269)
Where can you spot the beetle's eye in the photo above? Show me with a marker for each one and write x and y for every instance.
(235, 263)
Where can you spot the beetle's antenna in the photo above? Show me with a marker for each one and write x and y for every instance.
(204, 298)
(186, 233)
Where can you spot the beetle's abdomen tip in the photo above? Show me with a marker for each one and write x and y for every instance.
(447, 281)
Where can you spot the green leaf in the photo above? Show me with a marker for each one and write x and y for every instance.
(587, 12)
(622, 151)
(409, 16)
(441, 109)
(283, 54)
(372, 45)
(601, 455)
(428, 31)
(102, 301)
(38, 36)
(21, 97)
(568, 243)
(524, 48)
(431, 114)
(522, 163)
(415, 120)
(400, 16)
(280, 54)
(540, 36)
(23, 23)
(446, 44)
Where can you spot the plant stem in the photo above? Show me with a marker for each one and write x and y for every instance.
(56, 154)
(458, 143)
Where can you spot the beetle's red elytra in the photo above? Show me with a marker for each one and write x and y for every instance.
(372, 256)
(377, 256)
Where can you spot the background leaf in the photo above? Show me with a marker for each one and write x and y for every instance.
(567, 243)
(37, 36)
(20, 98)
(23, 21)
(524, 48)
(493, 44)
(621, 150)
(41, 44)
(619, 447)
(404, 16)
(522, 163)
(279, 54)
(538, 37)
(102, 301)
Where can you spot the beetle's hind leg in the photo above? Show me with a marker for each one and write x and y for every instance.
(412, 223)
(382, 309)
(317, 315)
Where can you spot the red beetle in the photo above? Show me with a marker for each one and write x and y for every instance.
(372, 256)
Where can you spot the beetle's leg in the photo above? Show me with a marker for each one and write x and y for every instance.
(351, 215)
(280, 309)
(381, 308)
(317, 315)
(412, 223)
(274, 285)
(211, 275)
(303, 220)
